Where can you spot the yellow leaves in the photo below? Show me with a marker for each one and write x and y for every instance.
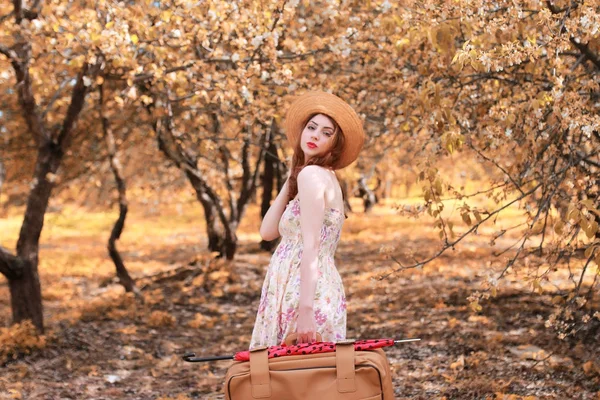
(134, 38)
(430, 173)
(442, 38)
(452, 140)
(389, 25)
(589, 204)
(475, 306)
(583, 214)
(590, 227)
(590, 368)
(470, 56)
(590, 250)
(166, 15)
(96, 38)
(154, 297)
(458, 364)
(128, 330)
(465, 214)
(219, 275)
(146, 99)
(402, 43)
(559, 227)
(477, 215)
(537, 287)
(180, 396)
(77, 62)
(202, 321)
(161, 319)
(438, 190)
(573, 214)
(19, 338)
(466, 218)
(502, 396)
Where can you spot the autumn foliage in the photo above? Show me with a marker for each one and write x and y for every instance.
(491, 108)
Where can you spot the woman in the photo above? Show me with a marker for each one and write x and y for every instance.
(303, 292)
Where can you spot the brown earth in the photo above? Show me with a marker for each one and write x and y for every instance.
(104, 344)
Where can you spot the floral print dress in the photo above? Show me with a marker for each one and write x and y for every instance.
(278, 307)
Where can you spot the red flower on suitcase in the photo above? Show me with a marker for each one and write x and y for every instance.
(315, 348)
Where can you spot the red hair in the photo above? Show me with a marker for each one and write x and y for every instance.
(327, 160)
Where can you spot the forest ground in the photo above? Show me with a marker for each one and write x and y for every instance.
(101, 343)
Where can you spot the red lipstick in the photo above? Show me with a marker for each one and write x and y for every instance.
(311, 145)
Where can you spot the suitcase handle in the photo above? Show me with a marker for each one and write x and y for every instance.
(292, 338)
(260, 378)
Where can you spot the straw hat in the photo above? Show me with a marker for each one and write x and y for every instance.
(312, 103)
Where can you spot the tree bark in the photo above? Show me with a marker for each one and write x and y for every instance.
(2, 174)
(268, 180)
(168, 146)
(21, 269)
(344, 185)
(368, 196)
(224, 241)
(213, 231)
(122, 273)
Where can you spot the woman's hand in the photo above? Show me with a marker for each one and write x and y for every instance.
(306, 327)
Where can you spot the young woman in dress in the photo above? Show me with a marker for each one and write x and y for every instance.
(302, 292)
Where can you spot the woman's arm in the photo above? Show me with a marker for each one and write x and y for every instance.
(269, 228)
(311, 189)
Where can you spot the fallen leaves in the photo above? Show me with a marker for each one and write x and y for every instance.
(458, 364)
(161, 319)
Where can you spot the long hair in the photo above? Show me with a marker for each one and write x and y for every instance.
(328, 159)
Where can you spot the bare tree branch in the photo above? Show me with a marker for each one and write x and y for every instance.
(517, 186)
(586, 51)
(10, 265)
(461, 237)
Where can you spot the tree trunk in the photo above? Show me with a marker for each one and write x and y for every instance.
(213, 230)
(268, 180)
(22, 270)
(368, 196)
(2, 174)
(344, 185)
(124, 278)
(282, 172)
(26, 295)
(122, 273)
(230, 243)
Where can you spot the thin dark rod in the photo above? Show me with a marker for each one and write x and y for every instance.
(191, 357)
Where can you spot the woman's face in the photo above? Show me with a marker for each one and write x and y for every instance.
(317, 137)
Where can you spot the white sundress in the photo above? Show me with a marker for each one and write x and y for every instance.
(278, 307)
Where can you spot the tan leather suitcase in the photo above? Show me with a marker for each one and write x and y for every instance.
(344, 374)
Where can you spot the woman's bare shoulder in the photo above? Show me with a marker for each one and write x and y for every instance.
(314, 171)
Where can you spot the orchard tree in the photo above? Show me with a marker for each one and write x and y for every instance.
(515, 85)
(51, 131)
